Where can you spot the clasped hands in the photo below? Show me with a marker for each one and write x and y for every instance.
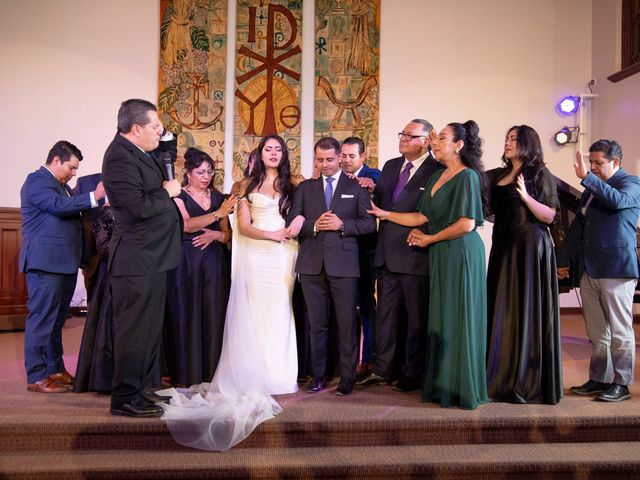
(328, 221)
(289, 232)
(206, 238)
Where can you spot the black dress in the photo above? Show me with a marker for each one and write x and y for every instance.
(95, 359)
(197, 295)
(524, 363)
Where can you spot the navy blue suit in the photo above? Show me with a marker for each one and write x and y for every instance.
(602, 242)
(50, 257)
(367, 282)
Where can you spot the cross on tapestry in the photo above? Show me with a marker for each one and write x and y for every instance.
(193, 52)
(268, 63)
(347, 51)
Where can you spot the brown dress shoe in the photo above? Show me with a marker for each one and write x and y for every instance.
(46, 385)
(63, 378)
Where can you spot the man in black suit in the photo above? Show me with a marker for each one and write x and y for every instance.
(144, 246)
(403, 271)
(353, 162)
(335, 210)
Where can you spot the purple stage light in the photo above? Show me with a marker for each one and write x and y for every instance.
(569, 105)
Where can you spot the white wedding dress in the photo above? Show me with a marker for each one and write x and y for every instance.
(259, 356)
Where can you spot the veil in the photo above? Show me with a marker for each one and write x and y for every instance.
(219, 415)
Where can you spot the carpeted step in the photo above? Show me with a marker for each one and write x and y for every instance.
(143, 434)
(619, 460)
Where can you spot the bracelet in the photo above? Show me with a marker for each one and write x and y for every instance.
(215, 215)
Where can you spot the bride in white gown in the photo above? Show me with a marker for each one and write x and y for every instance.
(259, 356)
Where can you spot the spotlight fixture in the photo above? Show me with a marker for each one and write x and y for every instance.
(569, 105)
(566, 135)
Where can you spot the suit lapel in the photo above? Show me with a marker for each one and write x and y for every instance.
(146, 158)
(318, 191)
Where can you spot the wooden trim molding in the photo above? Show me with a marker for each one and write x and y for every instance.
(13, 289)
(624, 73)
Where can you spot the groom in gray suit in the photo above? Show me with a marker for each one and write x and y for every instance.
(335, 210)
(604, 236)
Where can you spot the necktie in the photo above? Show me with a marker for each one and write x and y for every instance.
(403, 178)
(328, 192)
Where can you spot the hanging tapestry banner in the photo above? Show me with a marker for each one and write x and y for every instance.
(193, 53)
(267, 72)
(347, 60)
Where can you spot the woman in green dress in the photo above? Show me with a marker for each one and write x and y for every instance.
(452, 204)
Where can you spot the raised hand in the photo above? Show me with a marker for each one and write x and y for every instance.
(521, 188)
(580, 167)
(227, 206)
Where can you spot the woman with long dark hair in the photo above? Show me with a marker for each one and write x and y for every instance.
(524, 362)
(452, 204)
(258, 356)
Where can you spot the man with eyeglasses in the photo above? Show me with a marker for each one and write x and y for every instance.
(402, 271)
(601, 247)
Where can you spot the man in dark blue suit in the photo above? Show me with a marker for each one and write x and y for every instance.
(335, 210)
(602, 242)
(353, 162)
(403, 271)
(50, 257)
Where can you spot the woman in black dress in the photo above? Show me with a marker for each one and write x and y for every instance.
(524, 362)
(95, 359)
(199, 287)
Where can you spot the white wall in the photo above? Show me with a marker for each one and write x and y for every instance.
(66, 66)
(616, 111)
(499, 62)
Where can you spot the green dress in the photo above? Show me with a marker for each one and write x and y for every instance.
(455, 373)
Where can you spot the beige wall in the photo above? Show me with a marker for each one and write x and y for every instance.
(66, 66)
(616, 111)
(499, 62)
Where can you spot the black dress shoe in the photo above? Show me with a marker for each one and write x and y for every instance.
(317, 384)
(616, 393)
(591, 388)
(153, 397)
(137, 407)
(345, 387)
(372, 379)
(406, 384)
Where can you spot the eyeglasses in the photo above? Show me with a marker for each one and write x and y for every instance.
(408, 136)
(202, 173)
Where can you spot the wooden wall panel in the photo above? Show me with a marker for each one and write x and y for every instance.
(13, 289)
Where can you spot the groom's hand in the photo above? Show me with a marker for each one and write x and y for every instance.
(329, 221)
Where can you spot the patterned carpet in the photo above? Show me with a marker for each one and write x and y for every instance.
(374, 433)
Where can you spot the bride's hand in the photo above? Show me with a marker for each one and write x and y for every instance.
(378, 212)
(295, 226)
(279, 235)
